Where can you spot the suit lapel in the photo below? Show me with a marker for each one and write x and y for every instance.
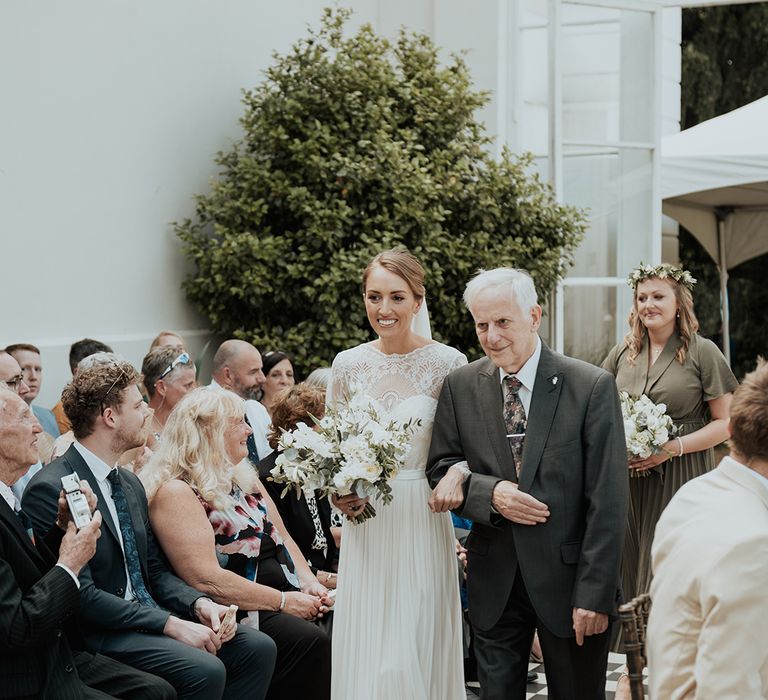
(491, 403)
(546, 394)
(12, 521)
(77, 464)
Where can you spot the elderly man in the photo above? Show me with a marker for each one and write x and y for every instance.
(169, 374)
(237, 366)
(708, 629)
(28, 357)
(534, 445)
(12, 377)
(135, 609)
(39, 589)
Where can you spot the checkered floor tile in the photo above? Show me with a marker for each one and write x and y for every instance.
(539, 689)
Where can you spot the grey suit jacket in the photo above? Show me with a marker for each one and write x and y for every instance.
(574, 461)
(103, 581)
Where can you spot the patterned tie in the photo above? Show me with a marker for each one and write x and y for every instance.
(253, 453)
(514, 419)
(129, 541)
(26, 523)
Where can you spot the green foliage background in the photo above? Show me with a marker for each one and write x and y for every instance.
(352, 145)
(725, 66)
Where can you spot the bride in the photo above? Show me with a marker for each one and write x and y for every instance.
(397, 628)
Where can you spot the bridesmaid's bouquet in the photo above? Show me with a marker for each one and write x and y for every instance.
(646, 426)
(353, 448)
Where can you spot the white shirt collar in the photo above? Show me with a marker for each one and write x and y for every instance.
(97, 465)
(730, 459)
(527, 373)
(8, 497)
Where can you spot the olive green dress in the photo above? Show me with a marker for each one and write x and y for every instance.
(685, 389)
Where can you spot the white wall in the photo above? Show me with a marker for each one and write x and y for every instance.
(111, 112)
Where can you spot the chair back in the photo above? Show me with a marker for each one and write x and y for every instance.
(634, 622)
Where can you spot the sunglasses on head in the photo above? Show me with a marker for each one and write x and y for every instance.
(112, 386)
(183, 359)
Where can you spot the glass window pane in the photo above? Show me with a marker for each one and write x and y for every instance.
(590, 322)
(615, 185)
(608, 71)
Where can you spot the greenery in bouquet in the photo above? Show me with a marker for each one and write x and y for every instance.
(646, 426)
(353, 448)
(353, 144)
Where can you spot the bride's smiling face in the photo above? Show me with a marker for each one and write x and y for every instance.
(389, 302)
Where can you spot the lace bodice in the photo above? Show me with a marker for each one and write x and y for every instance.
(406, 386)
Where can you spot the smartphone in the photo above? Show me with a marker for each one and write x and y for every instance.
(227, 620)
(76, 500)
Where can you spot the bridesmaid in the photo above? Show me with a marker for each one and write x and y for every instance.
(664, 358)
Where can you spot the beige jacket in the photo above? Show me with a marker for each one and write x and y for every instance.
(708, 630)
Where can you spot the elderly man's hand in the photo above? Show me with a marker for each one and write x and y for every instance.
(518, 506)
(587, 623)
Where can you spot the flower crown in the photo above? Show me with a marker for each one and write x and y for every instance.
(663, 271)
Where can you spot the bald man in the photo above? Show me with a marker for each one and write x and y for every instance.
(237, 366)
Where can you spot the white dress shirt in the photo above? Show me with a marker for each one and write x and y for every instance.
(101, 471)
(10, 498)
(260, 421)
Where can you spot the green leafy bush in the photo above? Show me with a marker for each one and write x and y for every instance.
(352, 145)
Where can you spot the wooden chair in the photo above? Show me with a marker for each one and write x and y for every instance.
(634, 621)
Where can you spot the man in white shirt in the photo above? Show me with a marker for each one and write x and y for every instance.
(39, 588)
(237, 366)
(708, 628)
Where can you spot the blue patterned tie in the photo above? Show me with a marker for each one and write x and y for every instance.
(253, 453)
(514, 419)
(129, 541)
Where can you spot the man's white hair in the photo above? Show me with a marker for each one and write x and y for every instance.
(517, 283)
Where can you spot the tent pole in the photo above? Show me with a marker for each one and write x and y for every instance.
(724, 310)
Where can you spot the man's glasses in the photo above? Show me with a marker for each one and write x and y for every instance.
(14, 383)
(183, 359)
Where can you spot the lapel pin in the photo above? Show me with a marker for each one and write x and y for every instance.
(554, 381)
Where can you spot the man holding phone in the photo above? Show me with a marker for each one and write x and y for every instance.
(39, 589)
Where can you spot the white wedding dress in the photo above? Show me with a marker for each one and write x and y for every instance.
(397, 622)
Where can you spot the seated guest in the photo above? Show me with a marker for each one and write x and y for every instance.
(206, 498)
(12, 377)
(134, 608)
(237, 366)
(319, 377)
(169, 374)
(707, 632)
(28, 357)
(78, 351)
(164, 338)
(278, 375)
(39, 589)
(307, 518)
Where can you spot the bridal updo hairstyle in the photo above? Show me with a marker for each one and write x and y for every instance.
(401, 262)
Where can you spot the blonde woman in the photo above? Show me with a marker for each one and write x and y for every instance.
(664, 358)
(224, 536)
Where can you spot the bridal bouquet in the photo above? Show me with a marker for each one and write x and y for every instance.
(353, 448)
(646, 426)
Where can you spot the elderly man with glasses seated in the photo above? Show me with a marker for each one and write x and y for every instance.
(12, 377)
(169, 374)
